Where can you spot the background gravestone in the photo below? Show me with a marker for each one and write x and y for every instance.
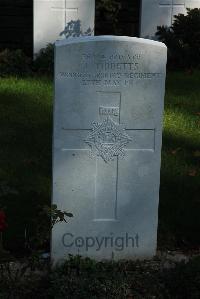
(161, 12)
(109, 94)
(51, 17)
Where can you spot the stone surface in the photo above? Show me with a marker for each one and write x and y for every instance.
(51, 17)
(109, 94)
(161, 12)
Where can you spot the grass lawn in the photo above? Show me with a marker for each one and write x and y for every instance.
(179, 221)
(25, 154)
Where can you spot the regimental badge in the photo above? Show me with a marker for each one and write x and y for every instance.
(108, 139)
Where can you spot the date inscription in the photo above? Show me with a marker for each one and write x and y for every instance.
(114, 70)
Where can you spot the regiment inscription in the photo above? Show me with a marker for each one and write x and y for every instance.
(113, 70)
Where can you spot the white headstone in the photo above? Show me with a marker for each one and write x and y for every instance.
(51, 17)
(109, 94)
(156, 13)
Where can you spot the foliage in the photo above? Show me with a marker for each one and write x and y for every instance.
(107, 13)
(86, 278)
(109, 6)
(44, 61)
(73, 29)
(48, 216)
(5, 189)
(83, 278)
(184, 280)
(58, 215)
(20, 280)
(183, 39)
(14, 63)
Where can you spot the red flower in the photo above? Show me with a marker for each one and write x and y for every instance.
(3, 223)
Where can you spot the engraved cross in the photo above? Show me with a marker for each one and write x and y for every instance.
(67, 12)
(172, 4)
(108, 169)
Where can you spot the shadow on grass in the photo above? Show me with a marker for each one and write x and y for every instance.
(179, 221)
(183, 83)
(25, 153)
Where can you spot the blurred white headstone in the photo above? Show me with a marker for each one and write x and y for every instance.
(161, 12)
(52, 16)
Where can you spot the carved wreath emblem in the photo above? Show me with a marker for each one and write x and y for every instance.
(108, 139)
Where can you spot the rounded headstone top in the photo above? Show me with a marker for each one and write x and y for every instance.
(85, 39)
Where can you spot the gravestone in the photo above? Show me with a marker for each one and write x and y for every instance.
(161, 12)
(52, 16)
(109, 94)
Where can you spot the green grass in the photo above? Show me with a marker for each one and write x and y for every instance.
(179, 221)
(25, 154)
(25, 151)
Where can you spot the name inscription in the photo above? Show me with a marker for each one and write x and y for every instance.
(115, 70)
